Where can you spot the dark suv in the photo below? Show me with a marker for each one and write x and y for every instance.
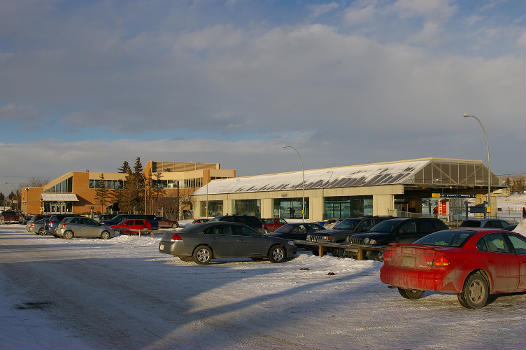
(248, 220)
(399, 230)
(345, 228)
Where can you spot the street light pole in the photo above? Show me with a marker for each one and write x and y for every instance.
(487, 149)
(303, 180)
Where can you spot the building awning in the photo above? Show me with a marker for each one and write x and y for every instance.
(59, 197)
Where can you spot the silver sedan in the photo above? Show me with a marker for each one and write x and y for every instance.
(83, 227)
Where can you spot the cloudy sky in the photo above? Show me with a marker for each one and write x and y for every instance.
(89, 84)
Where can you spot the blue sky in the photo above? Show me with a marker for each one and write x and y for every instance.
(89, 84)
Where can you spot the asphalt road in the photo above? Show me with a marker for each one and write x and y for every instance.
(125, 295)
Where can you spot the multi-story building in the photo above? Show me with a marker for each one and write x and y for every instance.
(166, 183)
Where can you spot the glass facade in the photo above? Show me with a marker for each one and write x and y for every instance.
(247, 207)
(290, 208)
(215, 208)
(65, 186)
(111, 184)
(347, 207)
(164, 183)
(58, 207)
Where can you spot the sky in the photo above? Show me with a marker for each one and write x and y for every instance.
(86, 85)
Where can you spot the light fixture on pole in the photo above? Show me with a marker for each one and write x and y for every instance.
(489, 158)
(303, 180)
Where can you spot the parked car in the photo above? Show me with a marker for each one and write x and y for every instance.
(40, 227)
(80, 226)
(296, 231)
(117, 219)
(32, 219)
(342, 230)
(345, 228)
(204, 242)
(250, 221)
(102, 217)
(166, 223)
(473, 263)
(271, 225)
(398, 230)
(54, 220)
(132, 226)
(10, 217)
(485, 223)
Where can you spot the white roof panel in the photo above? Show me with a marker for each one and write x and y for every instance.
(59, 197)
(349, 176)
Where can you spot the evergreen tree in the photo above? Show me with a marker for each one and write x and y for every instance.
(125, 168)
(101, 193)
(157, 190)
(139, 189)
(2, 198)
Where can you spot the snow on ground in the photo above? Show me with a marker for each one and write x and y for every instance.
(122, 293)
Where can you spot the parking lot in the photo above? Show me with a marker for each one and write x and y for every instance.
(122, 293)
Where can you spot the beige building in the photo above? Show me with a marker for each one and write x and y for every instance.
(426, 186)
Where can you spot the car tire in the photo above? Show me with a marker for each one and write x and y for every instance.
(105, 235)
(277, 254)
(411, 294)
(202, 255)
(68, 234)
(41, 231)
(475, 292)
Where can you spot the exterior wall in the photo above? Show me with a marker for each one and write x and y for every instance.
(31, 200)
(383, 199)
(87, 201)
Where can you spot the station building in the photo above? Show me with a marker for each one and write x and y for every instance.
(426, 186)
(75, 192)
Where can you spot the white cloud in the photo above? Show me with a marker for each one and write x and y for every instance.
(319, 10)
(438, 10)
(356, 15)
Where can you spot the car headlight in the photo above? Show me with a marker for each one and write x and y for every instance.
(372, 241)
(290, 243)
(366, 241)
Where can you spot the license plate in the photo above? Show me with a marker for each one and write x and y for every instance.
(408, 261)
(161, 247)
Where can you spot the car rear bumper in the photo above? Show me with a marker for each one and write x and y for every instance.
(443, 280)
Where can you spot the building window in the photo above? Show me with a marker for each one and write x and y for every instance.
(215, 208)
(110, 184)
(290, 208)
(65, 186)
(347, 207)
(192, 183)
(247, 207)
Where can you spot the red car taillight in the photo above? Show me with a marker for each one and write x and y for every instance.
(176, 237)
(441, 260)
(388, 254)
(33, 225)
(436, 260)
(63, 225)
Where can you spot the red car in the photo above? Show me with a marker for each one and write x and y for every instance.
(473, 263)
(166, 223)
(132, 226)
(271, 225)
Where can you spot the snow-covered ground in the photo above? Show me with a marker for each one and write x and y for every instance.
(122, 293)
